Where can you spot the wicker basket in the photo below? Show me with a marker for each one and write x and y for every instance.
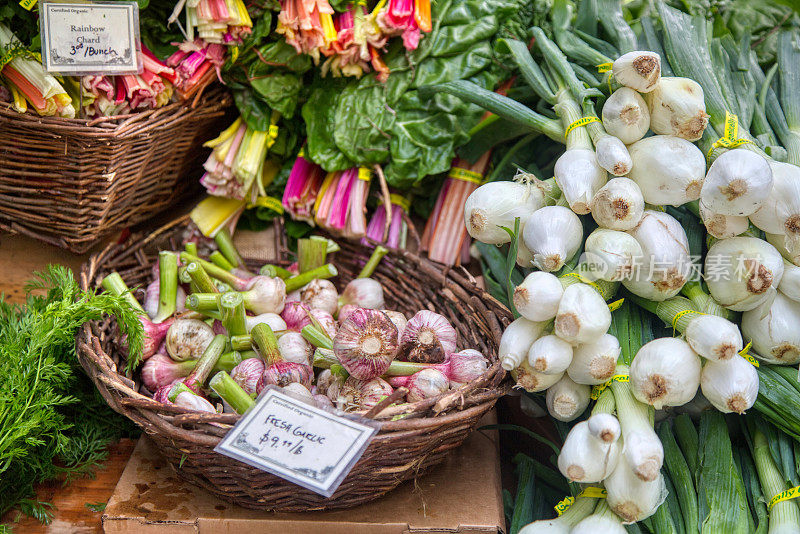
(72, 181)
(403, 448)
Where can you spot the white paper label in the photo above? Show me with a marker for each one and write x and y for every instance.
(90, 38)
(298, 442)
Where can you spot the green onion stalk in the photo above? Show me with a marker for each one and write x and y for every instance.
(783, 516)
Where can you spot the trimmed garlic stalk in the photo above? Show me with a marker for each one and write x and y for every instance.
(665, 372)
(742, 272)
(665, 265)
(618, 205)
(584, 458)
(775, 336)
(498, 204)
(625, 115)
(187, 339)
(320, 294)
(668, 169)
(550, 355)
(566, 400)
(722, 226)
(730, 385)
(426, 384)
(790, 281)
(583, 316)
(532, 381)
(780, 212)
(579, 176)
(364, 292)
(594, 363)
(428, 338)
(631, 498)
(713, 337)
(366, 343)
(537, 297)
(517, 340)
(294, 348)
(639, 70)
(611, 254)
(677, 108)
(554, 234)
(737, 183)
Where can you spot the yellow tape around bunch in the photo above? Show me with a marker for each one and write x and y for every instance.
(730, 138)
(681, 314)
(590, 491)
(746, 355)
(598, 389)
(583, 121)
(15, 52)
(27, 4)
(267, 202)
(614, 306)
(602, 68)
(465, 175)
(589, 283)
(792, 493)
(364, 174)
(401, 201)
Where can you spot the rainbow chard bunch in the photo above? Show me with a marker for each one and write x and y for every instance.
(214, 21)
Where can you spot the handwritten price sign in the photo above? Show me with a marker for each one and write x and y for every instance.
(90, 38)
(298, 442)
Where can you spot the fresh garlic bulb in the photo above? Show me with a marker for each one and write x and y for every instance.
(465, 366)
(366, 343)
(365, 293)
(425, 384)
(190, 401)
(625, 115)
(665, 265)
(775, 337)
(713, 337)
(294, 348)
(248, 373)
(187, 339)
(517, 340)
(583, 316)
(618, 205)
(611, 255)
(284, 373)
(730, 385)
(325, 320)
(722, 226)
(532, 381)
(677, 108)
(579, 176)
(780, 212)
(612, 155)
(273, 320)
(639, 70)
(428, 338)
(583, 458)
(742, 272)
(737, 183)
(362, 395)
(295, 316)
(779, 242)
(604, 427)
(668, 169)
(594, 363)
(537, 297)
(632, 498)
(299, 392)
(665, 372)
(790, 281)
(554, 234)
(550, 355)
(320, 294)
(594, 524)
(398, 319)
(265, 295)
(344, 312)
(497, 204)
(566, 400)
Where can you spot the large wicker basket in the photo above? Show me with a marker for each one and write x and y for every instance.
(69, 182)
(405, 446)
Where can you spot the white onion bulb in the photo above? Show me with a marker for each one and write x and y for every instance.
(780, 212)
(790, 281)
(594, 363)
(537, 297)
(632, 498)
(611, 254)
(677, 108)
(583, 316)
(618, 205)
(737, 183)
(625, 115)
(497, 204)
(553, 234)
(722, 226)
(713, 337)
(550, 355)
(530, 380)
(731, 386)
(584, 458)
(639, 70)
(566, 400)
(668, 169)
(517, 340)
(579, 176)
(742, 272)
(776, 336)
(665, 372)
(612, 155)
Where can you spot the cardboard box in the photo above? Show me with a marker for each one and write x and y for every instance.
(462, 495)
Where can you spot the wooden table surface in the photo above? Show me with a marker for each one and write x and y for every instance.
(19, 257)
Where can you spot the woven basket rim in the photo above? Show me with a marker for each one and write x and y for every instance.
(437, 411)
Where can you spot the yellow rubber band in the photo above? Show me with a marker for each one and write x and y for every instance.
(302, 153)
(591, 491)
(604, 67)
(746, 355)
(401, 201)
(681, 314)
(589, 283)
(792, 493)
(364, 174)
(598, 389)
(730, 137)
(272, 135)
(267, 202)
(465, 175)
(614, 306)
(234, 54)
(28, 4)
(580, 122)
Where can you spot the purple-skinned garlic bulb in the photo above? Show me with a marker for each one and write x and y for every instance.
(187, 339)
(345, 311)
(248, 373)
(273, 320)
(299, 392)
(365, 293)
(160, 370)
(295, 315)
(366, 343)
(398, 319)
(465, 366)
(362, 395)
(321, 295)
(426, 384)
(284, 373)
(294, 348)
(428, 338)
(326, 320)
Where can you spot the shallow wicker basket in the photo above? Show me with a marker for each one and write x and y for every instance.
(404, 448)
(69, 182)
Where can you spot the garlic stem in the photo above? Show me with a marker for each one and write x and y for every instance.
(265, 343)
(223, 385)
(317, 337)
(275, 271)
(114, 284)
(167, 285)
(200, 278)
(206, 363)
(296, 282)
(224, 241)
(231, 305)
(213, 270)
(219, 259)
(374, 259)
